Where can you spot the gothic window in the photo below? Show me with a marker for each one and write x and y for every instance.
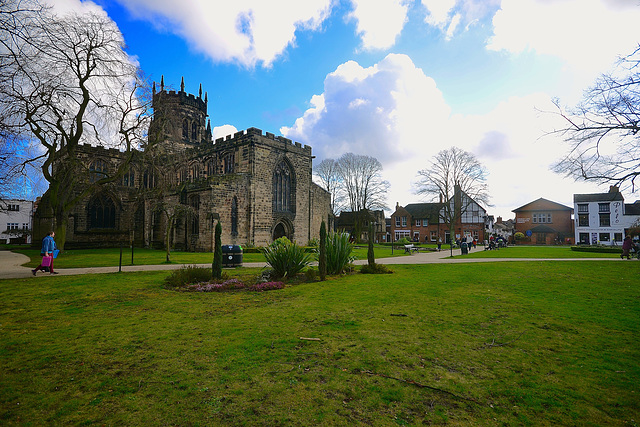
(128, 178)
(234, 216)
(195, 172)
(148, 179)
(211, 167)
(282, 188)
(97, 170)
(194, 131)
(102, 213)
(229, 160)
(185, 129)
(194, 202)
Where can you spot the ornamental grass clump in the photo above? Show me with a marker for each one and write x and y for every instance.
(286, 258)
(187, 275)
(227, 285)
(339, 251)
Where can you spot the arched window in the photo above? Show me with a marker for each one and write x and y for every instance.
(194, 131)
(102, 213)
(97, 170)
(128, 180)
(282, 188)
(194, 202)
(148, 179)
(185, 129)
(211, 167)
(229, 160)
(195, 172)
(234, 216)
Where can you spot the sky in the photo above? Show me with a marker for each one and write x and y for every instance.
(399, 80)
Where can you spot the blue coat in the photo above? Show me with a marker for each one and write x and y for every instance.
(48, 244)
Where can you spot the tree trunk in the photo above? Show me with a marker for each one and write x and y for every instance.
(167, 238)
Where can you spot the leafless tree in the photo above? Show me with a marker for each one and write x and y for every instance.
(603, 130)
(361, 181)
(456, 179)
(67, 80)
(328, 178)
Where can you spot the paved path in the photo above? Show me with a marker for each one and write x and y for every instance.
(10, 263)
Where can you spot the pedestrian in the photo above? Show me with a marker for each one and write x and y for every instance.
(626, 247)
(439, 244)
(48, 246)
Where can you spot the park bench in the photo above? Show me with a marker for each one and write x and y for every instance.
(410, 248)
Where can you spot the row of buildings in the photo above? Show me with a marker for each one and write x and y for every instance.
(601, 218)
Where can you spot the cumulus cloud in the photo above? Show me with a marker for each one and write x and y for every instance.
(379, 22)
(586, 34)
(376, 111)
(222, 131)
(243, 31)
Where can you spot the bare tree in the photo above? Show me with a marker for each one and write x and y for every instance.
(456, 179)
(67, 80)
(362, 183)
(328, 178)
(603, 130)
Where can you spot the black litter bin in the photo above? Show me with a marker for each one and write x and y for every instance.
(231, 256)
(464, 248)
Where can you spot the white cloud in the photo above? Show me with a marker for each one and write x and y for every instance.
(448, 15)
(438, 12)
(376, 111)
(244, 31)
(586, 34)
(222, 131)
(379, 22)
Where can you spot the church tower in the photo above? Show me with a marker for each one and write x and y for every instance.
(179, 118)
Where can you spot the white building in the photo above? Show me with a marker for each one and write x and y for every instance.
(603, 218)
(16, 218)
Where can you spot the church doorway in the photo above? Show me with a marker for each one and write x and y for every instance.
(282, 229)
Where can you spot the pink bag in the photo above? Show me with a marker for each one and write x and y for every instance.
(46, 261)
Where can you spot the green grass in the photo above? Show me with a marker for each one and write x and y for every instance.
(544, 252)
(111, 257)
(528, 343)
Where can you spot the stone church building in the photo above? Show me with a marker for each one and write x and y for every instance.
(259, 186)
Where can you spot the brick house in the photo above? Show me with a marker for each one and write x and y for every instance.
(545, 222)
(422, 222)
(346, 222)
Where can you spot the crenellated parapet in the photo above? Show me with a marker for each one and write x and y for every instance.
(269, 138)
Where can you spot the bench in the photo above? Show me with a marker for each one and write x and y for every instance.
(410, 248)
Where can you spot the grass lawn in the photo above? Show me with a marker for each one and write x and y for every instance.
(547, 252)
(111, 257)
(528, 343)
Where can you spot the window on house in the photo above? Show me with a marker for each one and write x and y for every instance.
(425, 223)
(434, 236)
(282, 188)
(397, 221)
(25, 226)
(404, 221)
(534, 218)
(617, 237)
(12, 226)
(416, 236)
(583, 220)
(604, 237)
(605, 220)
(418, 223)
(14, 208)
(583, 208)
(603, 207)
(584, 238)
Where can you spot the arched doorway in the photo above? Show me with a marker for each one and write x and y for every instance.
(282, 229)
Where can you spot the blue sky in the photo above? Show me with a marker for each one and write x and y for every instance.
(396, 79)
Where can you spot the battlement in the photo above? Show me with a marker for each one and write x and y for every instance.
(99, 150)
(242, 135)
(180, 97)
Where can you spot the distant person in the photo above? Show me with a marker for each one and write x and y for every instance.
(439, 244)
(48, 246)
(626, 247)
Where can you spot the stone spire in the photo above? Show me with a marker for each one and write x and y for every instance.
(200, 92)
(162, 83)
(182, 85)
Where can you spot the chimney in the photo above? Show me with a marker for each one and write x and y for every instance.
(499, 220)
(613, 189)
(397, 205)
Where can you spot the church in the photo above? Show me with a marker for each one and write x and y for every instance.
(257, 185)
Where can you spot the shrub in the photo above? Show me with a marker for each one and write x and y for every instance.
(338, 253)
(286, 258)
(216, 265)
(597, 248)
(266, 286)
(519, 236)
(403, 241)
(375, 269)
(187, 275)
(322, 252)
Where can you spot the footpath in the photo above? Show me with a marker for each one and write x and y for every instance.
(11, 263)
